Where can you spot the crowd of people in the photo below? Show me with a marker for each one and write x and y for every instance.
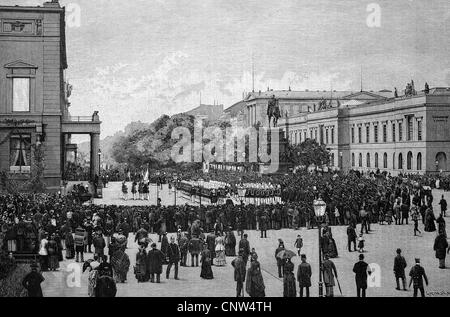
(48, 224)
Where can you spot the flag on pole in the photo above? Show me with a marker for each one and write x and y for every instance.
(146, 176)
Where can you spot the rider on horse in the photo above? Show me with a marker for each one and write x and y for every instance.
(273, 111)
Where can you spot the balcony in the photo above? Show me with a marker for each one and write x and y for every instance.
(81, 124)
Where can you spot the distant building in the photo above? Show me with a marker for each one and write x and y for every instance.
(293, 103)
(206, 112)
(34, 96)
(408, 134)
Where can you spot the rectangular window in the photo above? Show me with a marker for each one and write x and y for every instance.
(393, 131)
(375, 133)
(359, 135)
(326, 136)
(400, 131)
(367, 134)
(20, 153)
(353, 135)
(410, 128)
(384, 133)
(21, 94)
(419, 130)
(332, 136)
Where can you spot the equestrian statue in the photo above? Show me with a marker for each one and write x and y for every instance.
(273, 111)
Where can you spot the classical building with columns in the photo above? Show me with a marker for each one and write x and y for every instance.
(408, 134)
(34, 95)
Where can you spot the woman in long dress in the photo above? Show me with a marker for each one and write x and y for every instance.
(289, 287)
(230, 244)
(254, 281)
(220, 259)
(430, 226)
(53, 254)
(141, 271)
(206, 272)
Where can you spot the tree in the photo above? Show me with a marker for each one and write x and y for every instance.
(307, 153)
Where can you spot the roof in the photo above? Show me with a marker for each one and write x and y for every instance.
(236, 108)
(310, 95)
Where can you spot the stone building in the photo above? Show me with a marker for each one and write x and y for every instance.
(34, 95)
(408, 134)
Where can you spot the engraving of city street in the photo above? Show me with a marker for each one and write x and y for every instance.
(233, 151)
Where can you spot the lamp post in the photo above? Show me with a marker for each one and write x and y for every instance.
(175, 189)
(99, 189)
(319, 211)
(341, 162)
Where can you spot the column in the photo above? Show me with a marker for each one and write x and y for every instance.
(95, 146)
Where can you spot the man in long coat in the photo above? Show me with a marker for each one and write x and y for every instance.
(173, 254)
(360, 270)
(155, 260)
(304, 276)
(239, 273)
(245, 245)
(32, 282)
(329, 272)
(399, 269)
(440, 247)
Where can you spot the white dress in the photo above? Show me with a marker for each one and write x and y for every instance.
(220, 259)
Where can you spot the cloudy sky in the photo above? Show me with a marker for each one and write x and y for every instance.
(138, 59)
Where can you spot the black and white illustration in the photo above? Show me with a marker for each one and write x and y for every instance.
(224, 148)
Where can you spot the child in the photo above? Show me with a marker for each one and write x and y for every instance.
(298, 244)
(361, 243)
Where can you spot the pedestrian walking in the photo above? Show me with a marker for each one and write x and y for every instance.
(418, 275)
(399, 270)
(361, 272)
(304, 276)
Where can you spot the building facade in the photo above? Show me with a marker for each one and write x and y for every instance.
(34, 95)
(407, 134)
(293, 103)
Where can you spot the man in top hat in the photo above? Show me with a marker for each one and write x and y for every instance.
(155, 261)
(239, 265)
(360, 270)
(280, 262)
(417, 275)
(399, 270)
(32, 282)
(304, 276)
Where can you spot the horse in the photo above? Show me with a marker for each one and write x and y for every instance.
(273, 111)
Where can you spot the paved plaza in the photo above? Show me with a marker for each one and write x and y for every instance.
(381, 244)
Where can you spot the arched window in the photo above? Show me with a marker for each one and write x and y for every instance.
(393, 161)
(419, 161)
(353, 159)
(376, 160)
(400, 161)
(409, 161)
(385, 164)
(368, 159)
(360, 160)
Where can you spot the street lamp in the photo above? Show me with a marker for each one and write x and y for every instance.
(175, 188)
(319, 210)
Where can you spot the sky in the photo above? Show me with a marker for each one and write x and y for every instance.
(138, 59)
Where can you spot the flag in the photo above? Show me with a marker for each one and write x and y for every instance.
(146, 176)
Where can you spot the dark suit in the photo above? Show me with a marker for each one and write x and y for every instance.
(360, 270)
(173, 253)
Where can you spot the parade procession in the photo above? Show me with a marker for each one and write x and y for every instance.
(122, 173)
